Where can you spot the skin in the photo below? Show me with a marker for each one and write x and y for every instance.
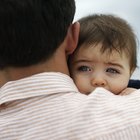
(90, 69)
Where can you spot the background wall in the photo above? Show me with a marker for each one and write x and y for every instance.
(129, 10)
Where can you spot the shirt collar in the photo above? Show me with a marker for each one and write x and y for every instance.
(40, 84)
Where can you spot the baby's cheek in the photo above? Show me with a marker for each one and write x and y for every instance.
(118, 87)
(83, 86)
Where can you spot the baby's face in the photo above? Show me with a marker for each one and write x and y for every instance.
(90, 69)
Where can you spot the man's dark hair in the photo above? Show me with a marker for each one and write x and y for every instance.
(32, 30)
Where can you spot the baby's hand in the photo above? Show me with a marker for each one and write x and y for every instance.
(127, 91)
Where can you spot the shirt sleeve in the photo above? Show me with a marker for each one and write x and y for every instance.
(134, 84)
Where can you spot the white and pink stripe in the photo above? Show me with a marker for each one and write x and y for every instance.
(48, 106)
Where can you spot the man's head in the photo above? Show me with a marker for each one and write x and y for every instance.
(32, 30)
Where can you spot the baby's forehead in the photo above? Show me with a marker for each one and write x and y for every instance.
(108, 54)
(103, 48)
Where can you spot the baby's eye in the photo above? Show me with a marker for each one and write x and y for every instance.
(84, 68)
(112, 70)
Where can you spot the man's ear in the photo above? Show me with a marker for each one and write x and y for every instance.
(72, 37)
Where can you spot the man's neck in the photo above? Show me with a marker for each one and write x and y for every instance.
(57, 63)
(14, 73)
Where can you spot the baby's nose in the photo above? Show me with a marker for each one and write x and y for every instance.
(98, 82)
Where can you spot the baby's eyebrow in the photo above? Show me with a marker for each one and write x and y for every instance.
(115, 64)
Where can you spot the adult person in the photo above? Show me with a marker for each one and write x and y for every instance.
(38, 99)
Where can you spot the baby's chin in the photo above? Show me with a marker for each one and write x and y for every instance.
(114, 92)
(87, 93)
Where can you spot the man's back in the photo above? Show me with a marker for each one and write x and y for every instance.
(57, 110)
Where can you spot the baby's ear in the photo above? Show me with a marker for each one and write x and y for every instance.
(132, 70)
(72, 37)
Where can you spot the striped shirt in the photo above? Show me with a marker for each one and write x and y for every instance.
(48, 106)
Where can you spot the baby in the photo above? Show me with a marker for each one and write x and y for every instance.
(105, 56)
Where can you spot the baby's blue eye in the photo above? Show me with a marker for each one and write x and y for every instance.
(112, 70)
(84, 68)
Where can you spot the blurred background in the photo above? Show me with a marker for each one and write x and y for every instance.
(129, 10)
